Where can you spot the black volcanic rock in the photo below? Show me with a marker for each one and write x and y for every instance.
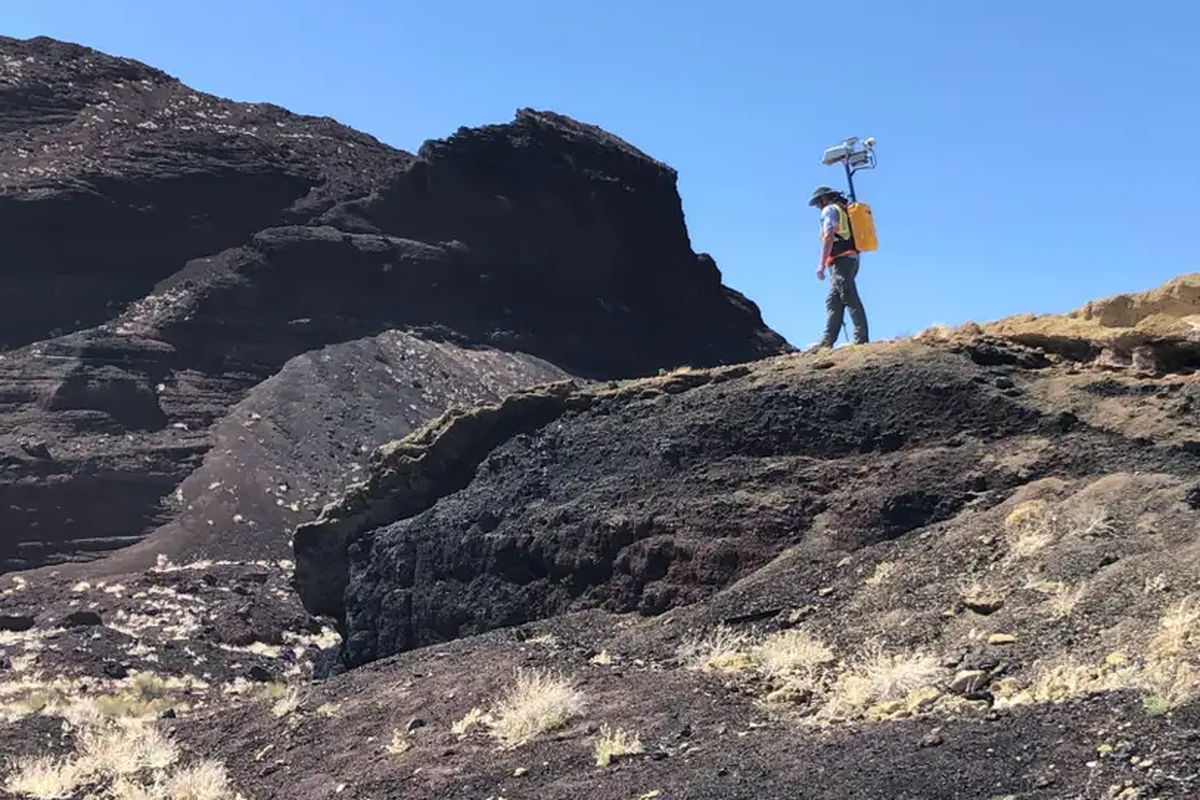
(167, 251)
(692, 490)
(637, 498)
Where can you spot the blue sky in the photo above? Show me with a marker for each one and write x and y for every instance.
(1031, 155)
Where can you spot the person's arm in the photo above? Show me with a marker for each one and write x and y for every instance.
(828, 226)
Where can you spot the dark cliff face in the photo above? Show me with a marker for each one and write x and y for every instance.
(168, 250)
(566, 214)
(112, 174)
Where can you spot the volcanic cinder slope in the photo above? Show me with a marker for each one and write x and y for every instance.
(214, 310)
(961, 565)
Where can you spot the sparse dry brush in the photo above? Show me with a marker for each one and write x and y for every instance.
(883, 683)
(118, 750)
(798, 668)
(537, 702)
(143, 694)
(613, 744)
(1061, 598)
(124, 759)
(1034, 526)
(1029, 528)
(1164, 668)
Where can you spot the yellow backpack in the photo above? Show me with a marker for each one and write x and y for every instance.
(862, 226)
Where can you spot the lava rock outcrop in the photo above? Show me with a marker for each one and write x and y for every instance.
(169, 250)
(646, 495)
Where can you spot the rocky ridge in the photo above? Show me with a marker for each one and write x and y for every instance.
(212, 243)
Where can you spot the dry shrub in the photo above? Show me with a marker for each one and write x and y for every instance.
(876, 676)
(130, 757)
(472, 718)
(721, 649)
(787, 654)
(1060, 597)
(791, 654)
(44, 777)
(1169, 685)
(537, 702)
(202, 780)
(124, 747)
(612, 744)
(1178, 633)
(1029, 528)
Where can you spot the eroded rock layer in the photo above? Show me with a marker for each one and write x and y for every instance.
(167, 251)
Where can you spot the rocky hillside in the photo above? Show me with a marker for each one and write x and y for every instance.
(459, 474)
(961, 565)
(199, 287)
(654, 494)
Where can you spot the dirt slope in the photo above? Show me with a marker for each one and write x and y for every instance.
(653, 495)
(956, 566)
(169, 250)
(305, 432)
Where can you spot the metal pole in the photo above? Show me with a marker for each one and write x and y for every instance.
(849, 179)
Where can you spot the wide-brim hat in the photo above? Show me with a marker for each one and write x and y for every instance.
(820, 192)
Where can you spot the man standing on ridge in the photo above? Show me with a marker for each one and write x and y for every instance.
(840, 256)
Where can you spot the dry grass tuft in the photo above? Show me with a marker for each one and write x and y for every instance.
(44, 777)
(612, 744)
(124, 747)
(883, 571)
(1029, 528)
(204, 780)
(1167, 686)
(145, 695)
(538, 702)
(794, 657)
(1178, 631)
(472, 718)
(603, 658)
(126, 759)
(722, 649)
(288, 701)
(876, 676)
(791, 654)
(398, 745)
(1061, 599)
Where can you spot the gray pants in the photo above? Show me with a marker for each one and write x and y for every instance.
(843, 295)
